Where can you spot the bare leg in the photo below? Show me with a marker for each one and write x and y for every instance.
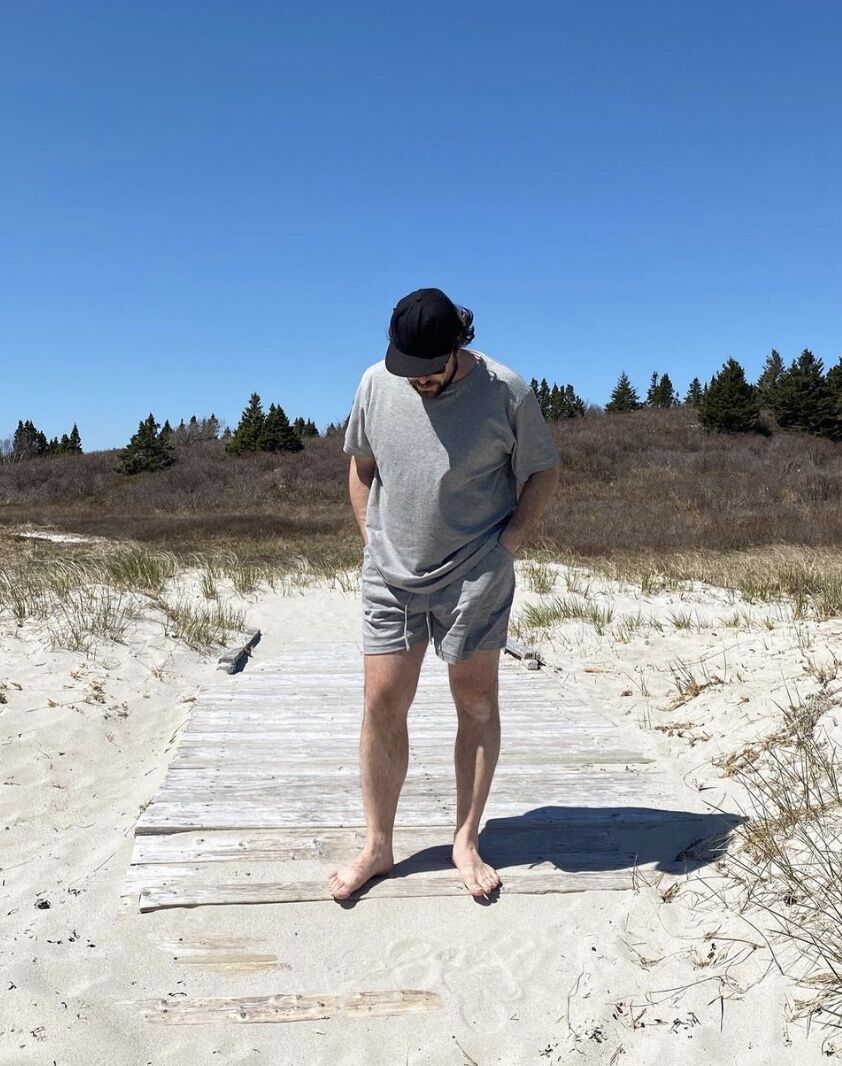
(474, 685)
(391, 680)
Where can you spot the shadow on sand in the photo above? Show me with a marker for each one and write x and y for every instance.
(587, 839)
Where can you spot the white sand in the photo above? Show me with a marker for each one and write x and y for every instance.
(611, 977)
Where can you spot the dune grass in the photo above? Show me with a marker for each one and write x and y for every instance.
(786, 864)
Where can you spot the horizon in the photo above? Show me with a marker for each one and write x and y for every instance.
(609, 190)
(591, 406)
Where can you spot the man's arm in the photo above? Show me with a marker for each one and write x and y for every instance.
(537, 491)
(360, 477)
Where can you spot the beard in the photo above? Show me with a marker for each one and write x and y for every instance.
(434, 389)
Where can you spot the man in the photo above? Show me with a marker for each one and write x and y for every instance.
(440, 437)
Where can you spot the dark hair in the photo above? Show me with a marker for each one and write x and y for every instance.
(468, 333)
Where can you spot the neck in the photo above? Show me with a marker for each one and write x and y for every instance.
(466, 363)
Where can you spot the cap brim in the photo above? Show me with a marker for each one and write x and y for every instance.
(410, 366)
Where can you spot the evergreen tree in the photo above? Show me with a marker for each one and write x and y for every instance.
(74, 441)
(148, 449)
(730, 403)
(769, 380)
(227, 433)
(544, 398)
(661, 392)
(554, 404)
(166, 430)
(574, 405)
(805, 400)
(298, 426)
(278, 435)
(624, 397)
(694, 393)
(246, 437)
(28, 442)
(310, 428)
(834, 380)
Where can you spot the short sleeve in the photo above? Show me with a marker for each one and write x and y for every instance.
(534, 445)
(356, 441)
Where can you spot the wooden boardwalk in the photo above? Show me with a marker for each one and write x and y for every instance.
(262, 797)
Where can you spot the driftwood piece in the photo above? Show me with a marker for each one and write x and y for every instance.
(286, 1008)
(233, 660)
(529, 657)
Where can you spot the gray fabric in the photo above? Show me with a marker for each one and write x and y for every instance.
(467, 615)
(447, 467)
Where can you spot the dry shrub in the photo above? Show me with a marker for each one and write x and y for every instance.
(646, 482)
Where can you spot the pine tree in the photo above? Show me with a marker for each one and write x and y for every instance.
(661, 392)
(278, 435)
(147, 450)
(834, 380)
(246, 437)
(554, 404)
(28, 442)
(544, 398)
(729, 403)
(769, 380)
(694, 393)
(310, 428)
(624, 397)
(74, 441)
(805, 400)
(574, 406)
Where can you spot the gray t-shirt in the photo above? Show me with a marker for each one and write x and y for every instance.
(447, 467)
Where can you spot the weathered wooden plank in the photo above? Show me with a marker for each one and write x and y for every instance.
(545, 780)
(429, 864)
(292, 765)
(335, 844)
(533, 883)
(284, 1008)
(168, 817)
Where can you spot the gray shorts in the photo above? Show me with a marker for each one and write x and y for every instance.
(470, 614)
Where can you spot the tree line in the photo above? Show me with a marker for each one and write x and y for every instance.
(28, 442)
(153, 447)
(798, 397)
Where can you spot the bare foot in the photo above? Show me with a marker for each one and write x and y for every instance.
(478, 876)
(369, 863)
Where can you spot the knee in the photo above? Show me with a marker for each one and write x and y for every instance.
(385, 707)
(479, 709)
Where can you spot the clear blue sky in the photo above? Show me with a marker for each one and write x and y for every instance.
(199, 200)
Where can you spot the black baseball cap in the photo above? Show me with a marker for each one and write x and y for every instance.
(423, 332)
